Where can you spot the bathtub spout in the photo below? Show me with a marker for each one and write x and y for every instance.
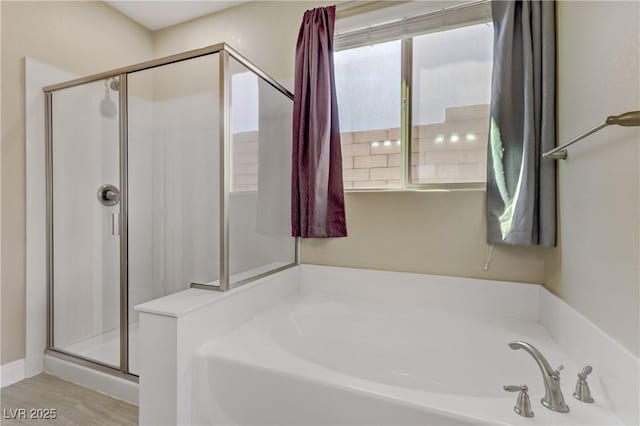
(553, 398)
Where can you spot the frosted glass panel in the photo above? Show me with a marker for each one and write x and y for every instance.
(86, 256)
(259, 202)
(174, 182)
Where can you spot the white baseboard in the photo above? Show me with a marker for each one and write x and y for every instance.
(12, 372)
(98, 381)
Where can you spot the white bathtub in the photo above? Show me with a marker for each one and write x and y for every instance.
(377, 348)
(334, 346)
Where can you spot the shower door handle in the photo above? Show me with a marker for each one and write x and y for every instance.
(115, 224)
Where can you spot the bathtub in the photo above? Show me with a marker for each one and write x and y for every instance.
(337, 346)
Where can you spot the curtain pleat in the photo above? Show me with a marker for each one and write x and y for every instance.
(521, 186)
(317, 196)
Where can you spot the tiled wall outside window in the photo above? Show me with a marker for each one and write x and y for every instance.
(244, 161)
(454, 151)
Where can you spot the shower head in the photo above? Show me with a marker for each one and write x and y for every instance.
(107, 106)
(114, 83)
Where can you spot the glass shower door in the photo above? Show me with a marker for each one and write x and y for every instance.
(85, 222)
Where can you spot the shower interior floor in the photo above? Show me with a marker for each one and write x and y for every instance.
(105, 347)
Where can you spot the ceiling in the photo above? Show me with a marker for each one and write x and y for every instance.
(156, 15)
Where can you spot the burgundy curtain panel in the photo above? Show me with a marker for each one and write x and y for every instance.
(317, 196)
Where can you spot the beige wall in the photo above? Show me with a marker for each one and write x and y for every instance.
(79, 37)
(263, 31)
(438, 233)
(429, 232)
(595, 267)
(444, 233)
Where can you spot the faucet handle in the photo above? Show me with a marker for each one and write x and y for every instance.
(585, 372)
(523, 403)
(583, 393)
(556, 372)
(516, 388)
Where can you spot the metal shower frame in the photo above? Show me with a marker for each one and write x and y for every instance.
(225, 53)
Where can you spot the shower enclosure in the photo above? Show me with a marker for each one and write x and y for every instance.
(165, 175)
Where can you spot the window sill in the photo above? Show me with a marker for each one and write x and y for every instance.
(382, 190)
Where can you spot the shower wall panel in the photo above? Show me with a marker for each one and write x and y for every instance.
(259, 202)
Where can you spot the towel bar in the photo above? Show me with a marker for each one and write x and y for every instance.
(628, 119)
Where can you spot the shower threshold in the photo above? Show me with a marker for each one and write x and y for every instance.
(105, 347)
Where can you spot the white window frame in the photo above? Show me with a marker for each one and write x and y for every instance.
(458, 16)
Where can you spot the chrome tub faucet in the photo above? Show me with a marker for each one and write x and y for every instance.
(553, 398)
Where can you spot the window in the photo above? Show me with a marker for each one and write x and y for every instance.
(441, 140)
(451, 91)
(367, 82)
